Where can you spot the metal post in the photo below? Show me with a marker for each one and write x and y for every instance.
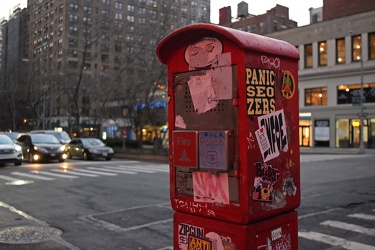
(361, 144)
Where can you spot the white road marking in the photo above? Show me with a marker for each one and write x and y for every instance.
(74, 173)
(34, 176)
(349, 227)
(362, 216)
(55, 175)
(7, 178)
(112, 170)
(335, 241)
(94, 172)
(143, 170)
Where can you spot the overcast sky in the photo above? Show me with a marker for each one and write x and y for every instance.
(298, 9)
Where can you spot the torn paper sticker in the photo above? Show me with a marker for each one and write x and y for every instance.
(202, 93)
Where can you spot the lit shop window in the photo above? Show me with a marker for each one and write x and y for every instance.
(316, 96)
(340, 50)
(322, 53)
(371, 45)
(356, 48)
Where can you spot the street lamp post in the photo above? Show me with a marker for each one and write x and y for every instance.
(362, 115)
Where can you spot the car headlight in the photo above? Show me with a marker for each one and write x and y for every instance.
(43, 150)
(61, 149)
(17, 148)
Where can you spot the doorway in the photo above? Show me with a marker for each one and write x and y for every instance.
(304, 136)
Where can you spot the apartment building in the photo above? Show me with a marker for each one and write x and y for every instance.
(105, 50)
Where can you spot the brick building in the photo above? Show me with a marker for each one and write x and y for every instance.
(276, 19)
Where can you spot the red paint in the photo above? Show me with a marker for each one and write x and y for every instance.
(185, 148)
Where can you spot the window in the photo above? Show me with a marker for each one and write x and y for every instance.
(308, 56)
(316, 96)
(130, 19)
(340, 50)
(73, 18)
(105, 13)
(356, 48)
(118, 16)
(87, 9)
(371, 46)
(118, 5)
(261, 27)
(322, 53)
(130, 8)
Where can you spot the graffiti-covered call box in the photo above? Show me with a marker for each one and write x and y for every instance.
(233, 121)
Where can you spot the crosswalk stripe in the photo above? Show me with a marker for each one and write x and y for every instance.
(142, 170)
(362, 216)
(74, 173)
(113, 170)
(335, 241)
(154, 167)
(34, 176)
(122, 169)
(94, 172)
(8, 178)
(56, 175)
(146, 168)
(349, 227)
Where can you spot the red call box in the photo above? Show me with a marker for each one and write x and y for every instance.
(185, 148)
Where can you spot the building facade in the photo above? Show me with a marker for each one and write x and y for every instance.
(276, 19)
(336, 68)
(13, 50)
(102, 50)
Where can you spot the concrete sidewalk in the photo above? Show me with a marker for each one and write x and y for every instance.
(327, 150)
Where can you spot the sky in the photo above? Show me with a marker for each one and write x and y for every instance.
(298, 9)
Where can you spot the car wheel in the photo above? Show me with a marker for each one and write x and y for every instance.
(17, 163)
(108, 158)
(61, 160)
(85, 156)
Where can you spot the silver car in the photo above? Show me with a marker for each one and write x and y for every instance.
(9, 151)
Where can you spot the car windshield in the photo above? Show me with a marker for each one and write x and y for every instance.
(5, 140)
(13, 136)
(92, 142)
(43, 138)
(61, 135)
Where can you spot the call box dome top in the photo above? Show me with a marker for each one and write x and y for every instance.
(244, 40)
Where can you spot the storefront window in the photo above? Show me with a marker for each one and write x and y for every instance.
(340, 50)
(316, 96)
(351, 94)
(322, 53)
(342, 133)
(308, 56)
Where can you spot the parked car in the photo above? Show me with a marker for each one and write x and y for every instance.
(9, 151)
(11, 135)
(89, 148)
(41, 147)
(61, 135)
